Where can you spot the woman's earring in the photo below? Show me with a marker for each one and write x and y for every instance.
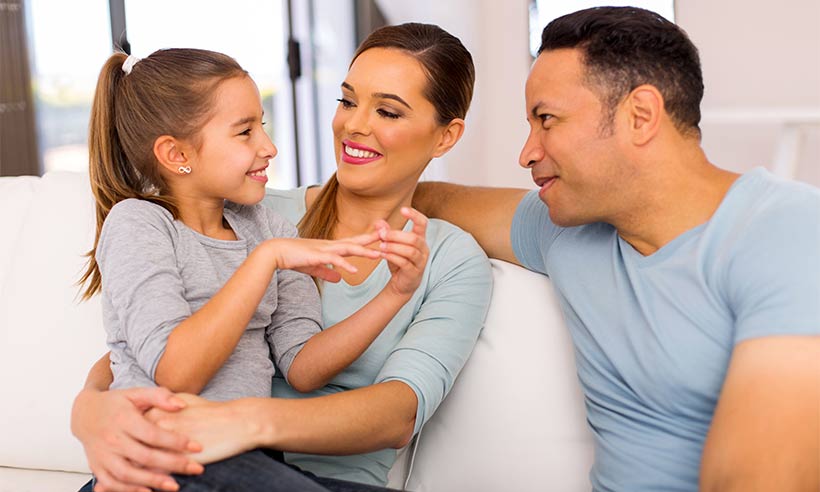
(184, 169)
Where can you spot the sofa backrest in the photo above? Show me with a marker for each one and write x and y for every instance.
(513, 421)
(48, 340)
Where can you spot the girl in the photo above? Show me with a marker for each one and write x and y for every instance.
(402, 103)
(197, 281)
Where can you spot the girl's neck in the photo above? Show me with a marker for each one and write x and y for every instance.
(357, 213)
(205, 217)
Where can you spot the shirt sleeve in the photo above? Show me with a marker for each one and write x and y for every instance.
(141, 279)
(442, 334)
(532, 233)
(774, 275)
(298, 314)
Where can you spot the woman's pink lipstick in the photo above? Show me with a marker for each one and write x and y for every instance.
(362, 153)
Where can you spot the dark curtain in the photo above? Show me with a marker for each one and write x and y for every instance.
(18, 144)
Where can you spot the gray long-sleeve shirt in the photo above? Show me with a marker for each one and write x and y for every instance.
(156, 272)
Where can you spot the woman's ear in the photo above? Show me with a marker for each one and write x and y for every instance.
(170, 153)
(449, 137)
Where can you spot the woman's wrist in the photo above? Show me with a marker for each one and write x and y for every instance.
(258, 420)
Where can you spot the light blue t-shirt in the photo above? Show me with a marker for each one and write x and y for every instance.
(653, 335)
(425, 345)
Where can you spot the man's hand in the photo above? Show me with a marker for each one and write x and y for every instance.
(125, 451)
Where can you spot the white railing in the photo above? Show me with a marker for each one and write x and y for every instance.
(792, 122)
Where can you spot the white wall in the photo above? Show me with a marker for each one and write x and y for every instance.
(759, 64)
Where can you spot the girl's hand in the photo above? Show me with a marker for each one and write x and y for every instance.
(220, 427)
(315, 256)
(406, 252)
(125, 451)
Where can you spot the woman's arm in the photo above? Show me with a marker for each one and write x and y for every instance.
(329, 352)
(350, 422)
(125, 451)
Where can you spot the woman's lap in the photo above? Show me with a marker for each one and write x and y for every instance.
(256, 471)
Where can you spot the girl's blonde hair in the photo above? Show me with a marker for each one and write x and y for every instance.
(171, 92)
(450, 79)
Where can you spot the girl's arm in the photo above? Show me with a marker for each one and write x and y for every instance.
(329, 352)
(417, 375)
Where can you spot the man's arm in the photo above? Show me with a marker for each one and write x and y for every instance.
(765, 434)
(486, 213)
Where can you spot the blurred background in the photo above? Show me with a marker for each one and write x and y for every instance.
(761, 65)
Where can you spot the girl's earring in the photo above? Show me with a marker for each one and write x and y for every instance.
(184, 169)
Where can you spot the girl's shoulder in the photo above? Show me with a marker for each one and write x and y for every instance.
(262, 219)
(137, 210)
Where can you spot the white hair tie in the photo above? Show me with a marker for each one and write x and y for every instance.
(129, 63)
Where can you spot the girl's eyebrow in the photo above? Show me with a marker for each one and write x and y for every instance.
(380, 95)
(246, 120)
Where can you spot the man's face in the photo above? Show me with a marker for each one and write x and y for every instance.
(574, 157)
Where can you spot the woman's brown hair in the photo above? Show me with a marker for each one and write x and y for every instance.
(450, 79)
(168, 93)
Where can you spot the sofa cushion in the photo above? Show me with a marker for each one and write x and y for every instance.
(515, 418)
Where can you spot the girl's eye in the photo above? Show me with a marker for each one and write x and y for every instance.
(246, 132)
(345, 103)
(388, 114)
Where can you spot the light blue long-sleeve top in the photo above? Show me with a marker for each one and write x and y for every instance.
(654, 334)
(425, 345)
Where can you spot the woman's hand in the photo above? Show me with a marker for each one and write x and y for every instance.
(221, 427)
(406, 252)
(125, 451)
(314, 256)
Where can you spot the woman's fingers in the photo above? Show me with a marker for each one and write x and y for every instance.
(418, 218)
(411, 253)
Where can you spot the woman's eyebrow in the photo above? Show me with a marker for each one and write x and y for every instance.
(380, 95)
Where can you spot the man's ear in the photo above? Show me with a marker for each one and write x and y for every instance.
(450, 136)
(646, 109)
(170, 153)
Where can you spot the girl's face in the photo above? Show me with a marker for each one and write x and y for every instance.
(233, 156)
(385, 130)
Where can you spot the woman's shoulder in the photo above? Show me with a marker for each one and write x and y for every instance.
(289, 203)
(451, 245)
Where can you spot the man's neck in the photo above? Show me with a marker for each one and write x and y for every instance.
(681, 196)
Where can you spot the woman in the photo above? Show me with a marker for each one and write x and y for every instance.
(403, 103)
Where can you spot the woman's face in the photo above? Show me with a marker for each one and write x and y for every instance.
(385, 130)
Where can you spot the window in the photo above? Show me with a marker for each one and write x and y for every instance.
(67, 61)
(543, 11)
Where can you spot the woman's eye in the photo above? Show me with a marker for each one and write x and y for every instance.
(345, 103)
(388, 114)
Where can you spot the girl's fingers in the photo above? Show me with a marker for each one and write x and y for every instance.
(322, 272)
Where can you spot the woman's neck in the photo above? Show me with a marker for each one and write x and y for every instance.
(357, 213)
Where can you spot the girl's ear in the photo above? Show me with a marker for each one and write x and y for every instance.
(170, 153)
(449, 137)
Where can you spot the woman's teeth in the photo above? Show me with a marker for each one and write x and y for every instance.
(362, 154)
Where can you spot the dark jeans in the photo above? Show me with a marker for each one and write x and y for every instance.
(256, 471)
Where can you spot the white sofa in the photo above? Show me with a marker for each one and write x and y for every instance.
(514, 420)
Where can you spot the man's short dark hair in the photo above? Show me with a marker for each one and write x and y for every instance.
(625, 47)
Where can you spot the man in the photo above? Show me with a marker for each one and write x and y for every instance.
(692, 293)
